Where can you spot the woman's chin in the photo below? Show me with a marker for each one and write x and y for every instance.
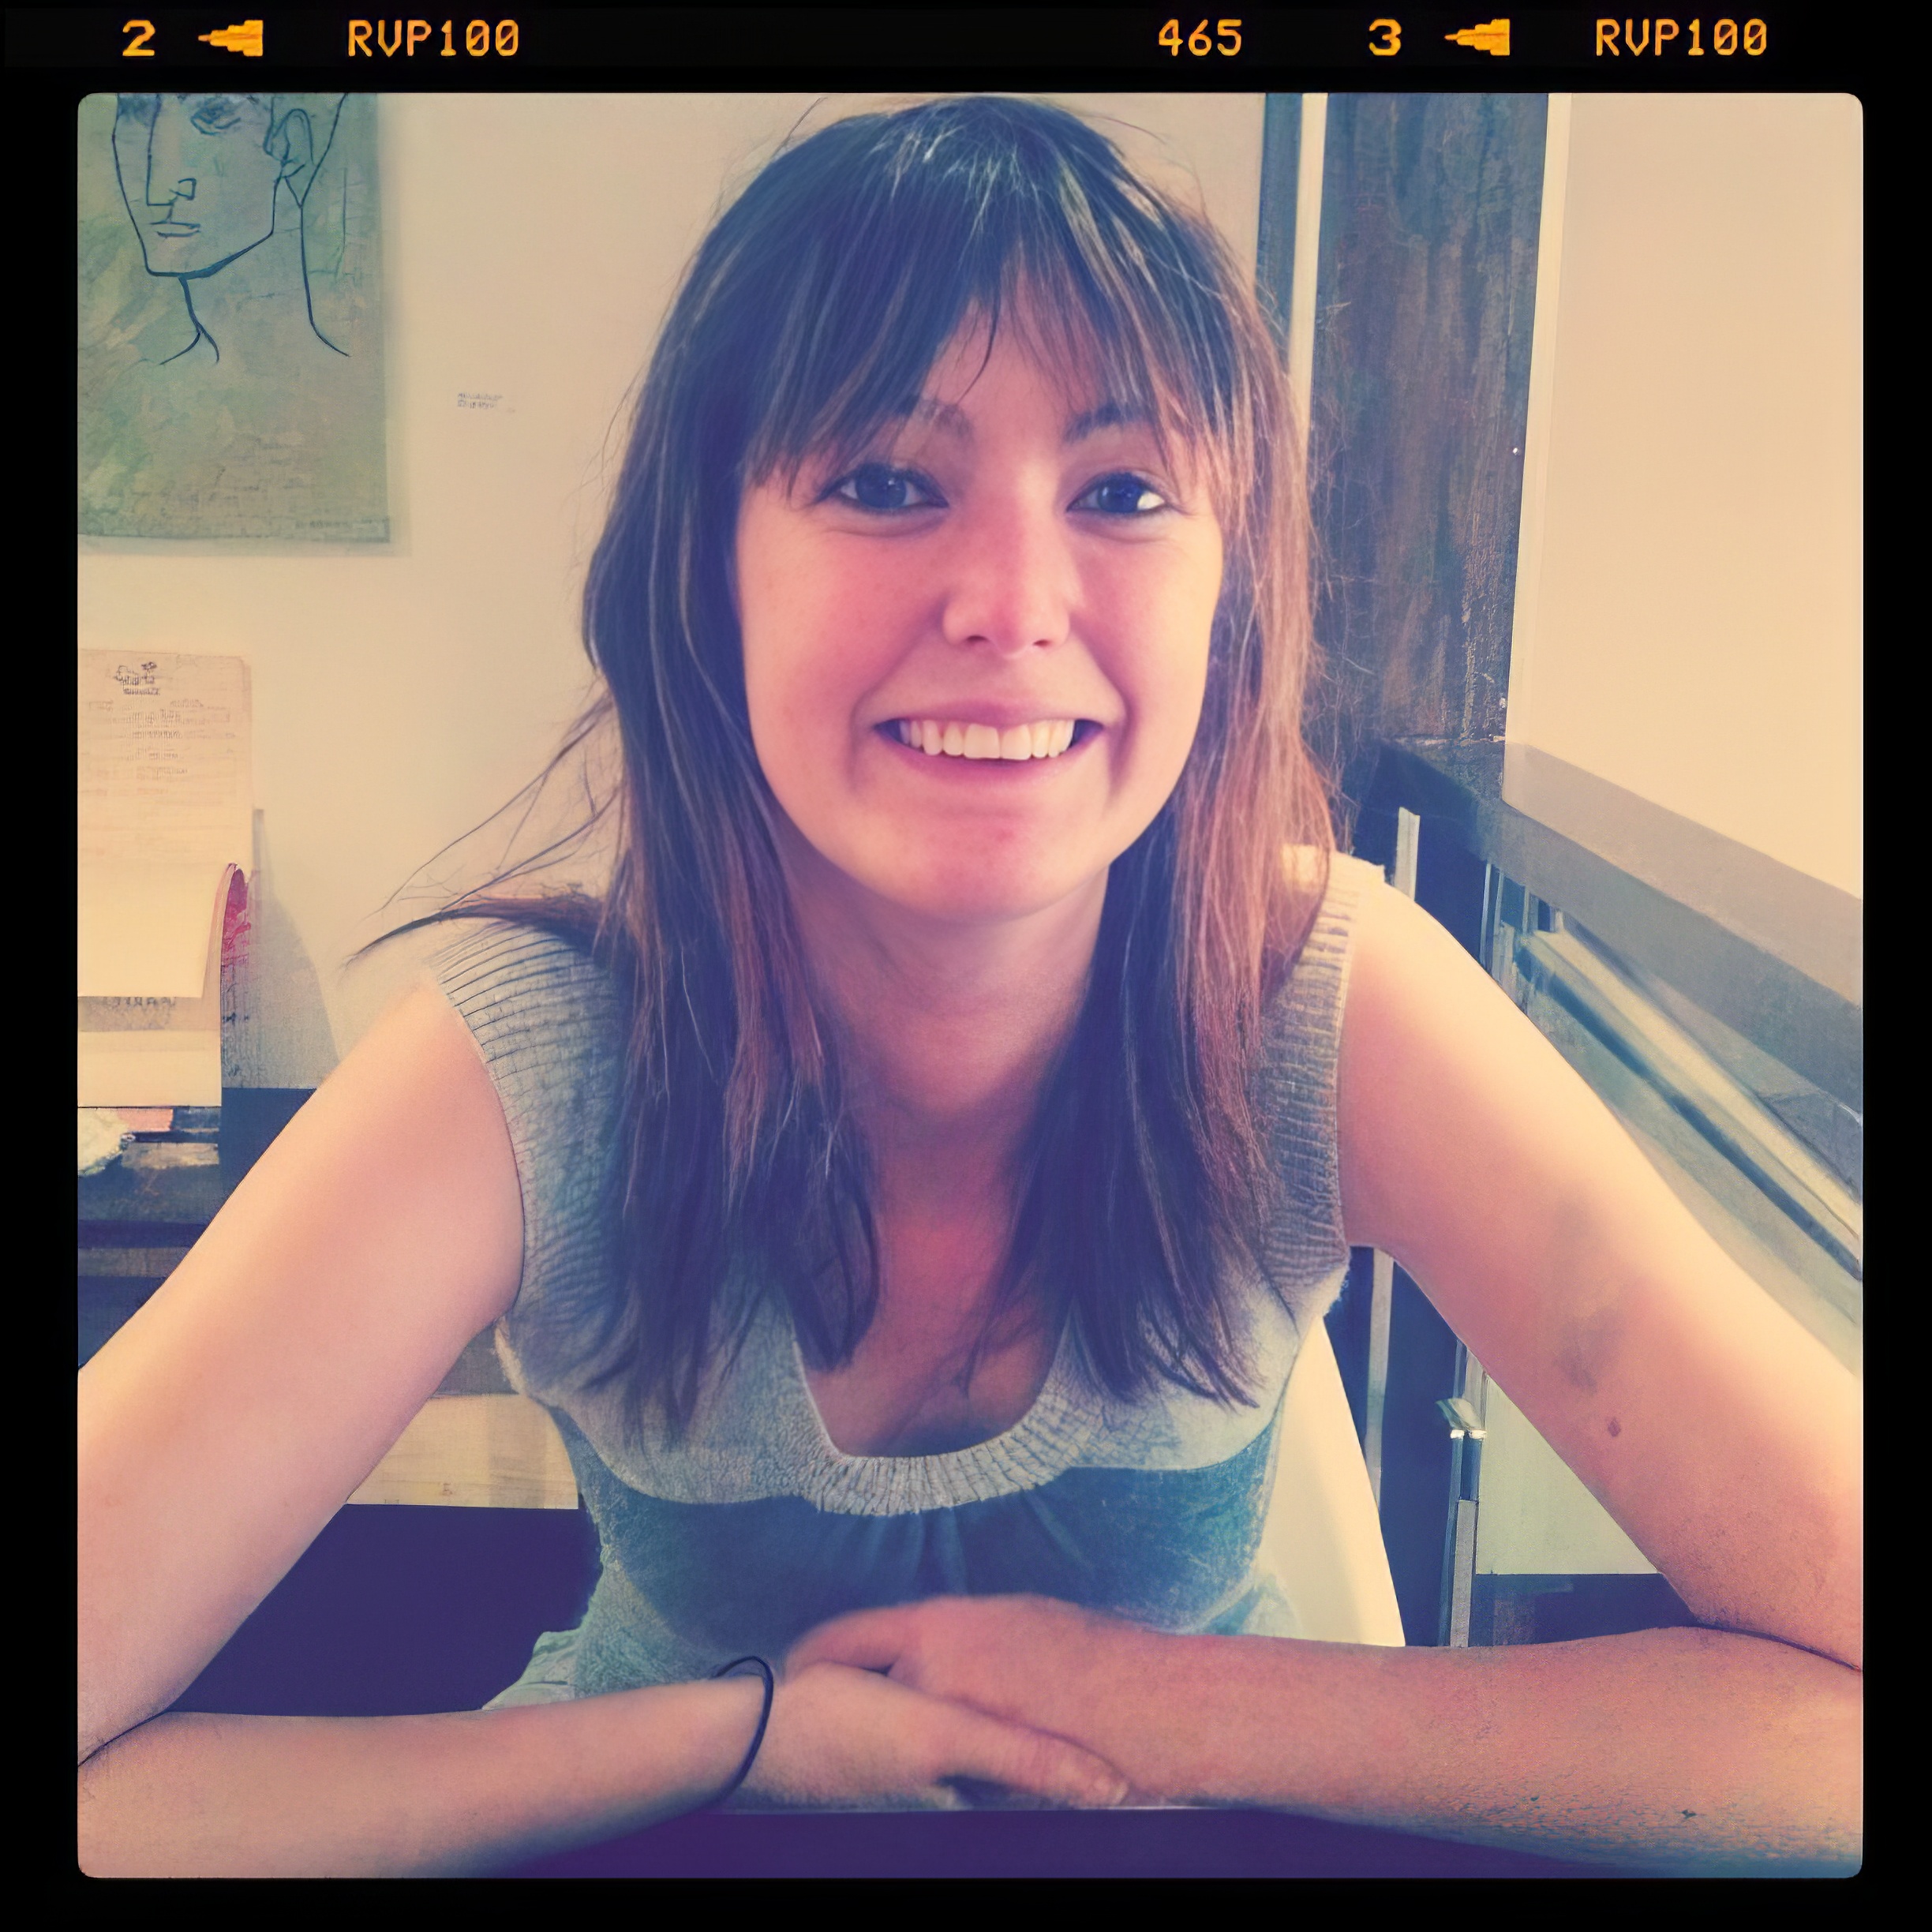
(946, 880)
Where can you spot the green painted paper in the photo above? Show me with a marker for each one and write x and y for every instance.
(230, 305)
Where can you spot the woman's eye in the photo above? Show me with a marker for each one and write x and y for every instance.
(1122, 495)
(876, 486)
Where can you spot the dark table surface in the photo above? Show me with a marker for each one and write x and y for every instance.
(1035, 1844)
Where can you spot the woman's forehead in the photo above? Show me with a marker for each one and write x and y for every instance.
(955, 389)
(1083, 392)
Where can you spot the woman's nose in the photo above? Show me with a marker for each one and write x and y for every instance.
(1012, 583)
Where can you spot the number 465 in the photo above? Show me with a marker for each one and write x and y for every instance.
(1226, 39)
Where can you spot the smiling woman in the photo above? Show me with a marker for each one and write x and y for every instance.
(909, 1186)
(994, 431)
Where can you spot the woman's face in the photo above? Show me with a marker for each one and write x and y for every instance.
(1013, 580)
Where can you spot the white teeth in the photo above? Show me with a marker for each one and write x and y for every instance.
(1047, 738)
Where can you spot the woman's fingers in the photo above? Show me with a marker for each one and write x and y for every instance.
(840, 1736)
(875, 1640)
(984, 1750)
(1014, 1656)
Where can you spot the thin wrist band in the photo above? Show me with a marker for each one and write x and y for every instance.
(757, 1736)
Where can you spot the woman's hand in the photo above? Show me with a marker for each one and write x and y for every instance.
(842, 1736)
(1025, 1660)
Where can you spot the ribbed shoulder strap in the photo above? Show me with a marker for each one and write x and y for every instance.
(1297, 1089)
(546, 1020)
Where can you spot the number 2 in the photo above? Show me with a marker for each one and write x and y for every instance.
(1391, 31)
(137, 48)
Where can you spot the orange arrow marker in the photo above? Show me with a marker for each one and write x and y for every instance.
(1492, 37)
(245, 39)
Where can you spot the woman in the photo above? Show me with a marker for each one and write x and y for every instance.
(908, 1188)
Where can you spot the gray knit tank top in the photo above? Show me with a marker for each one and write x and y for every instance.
(753, 1527)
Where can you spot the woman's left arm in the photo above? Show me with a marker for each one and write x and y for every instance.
(1695, 1751)
(1720, 1436)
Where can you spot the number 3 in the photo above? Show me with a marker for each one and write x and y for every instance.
(1391, 31)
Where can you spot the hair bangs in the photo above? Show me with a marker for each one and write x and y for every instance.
(944, 233)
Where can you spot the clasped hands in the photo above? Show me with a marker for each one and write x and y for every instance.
(956, 1701)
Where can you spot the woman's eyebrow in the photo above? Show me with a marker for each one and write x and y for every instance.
(931, 413)
(949, 417)
(1107, 416)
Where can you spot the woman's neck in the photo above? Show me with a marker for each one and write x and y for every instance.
(947, 1029)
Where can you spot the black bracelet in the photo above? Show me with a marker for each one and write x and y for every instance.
(757, 1736)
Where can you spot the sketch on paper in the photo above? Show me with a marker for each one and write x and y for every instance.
(231, 378)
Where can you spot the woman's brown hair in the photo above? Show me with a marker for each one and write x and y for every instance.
(811, 314)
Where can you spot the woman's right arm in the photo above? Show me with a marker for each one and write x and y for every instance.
(193, 1796)
(230, 1418)
(224, 1425)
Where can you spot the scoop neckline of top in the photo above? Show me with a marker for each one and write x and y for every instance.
(1055, 1411)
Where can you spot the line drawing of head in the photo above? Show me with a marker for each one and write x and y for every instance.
(208, 179)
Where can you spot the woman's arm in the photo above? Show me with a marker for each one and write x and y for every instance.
(476, 1791)
(339, 1797)
(230, 1419)
(224, 1424)
(233, 1416)
(1723, 1439)
(1686, 1750)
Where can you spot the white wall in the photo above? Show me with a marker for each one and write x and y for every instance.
(1689, 623)
(401, 694)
